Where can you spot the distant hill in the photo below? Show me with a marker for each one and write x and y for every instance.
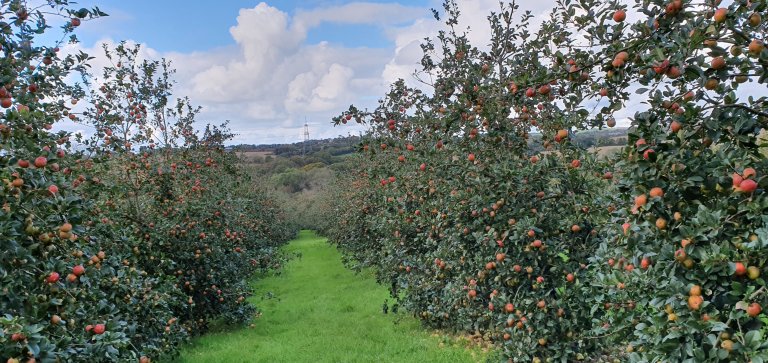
(336, 146)
(614, 137)
(325, 149)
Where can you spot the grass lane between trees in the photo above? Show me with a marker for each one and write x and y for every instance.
(319, 311)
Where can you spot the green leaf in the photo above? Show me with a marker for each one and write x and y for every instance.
(753, 339)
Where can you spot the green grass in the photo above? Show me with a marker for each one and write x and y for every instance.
(318, 311)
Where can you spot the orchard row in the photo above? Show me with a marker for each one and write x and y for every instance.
(111, 254)
(653, 254)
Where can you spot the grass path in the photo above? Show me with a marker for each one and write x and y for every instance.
(318, 311)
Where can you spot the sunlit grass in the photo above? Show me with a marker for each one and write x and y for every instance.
(318, 311)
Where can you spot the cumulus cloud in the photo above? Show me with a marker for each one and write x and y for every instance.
(271, 80)
(274, 80)
(473, 21)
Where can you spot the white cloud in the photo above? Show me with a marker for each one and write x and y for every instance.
(358, 13)
(473, 20)
(270, 80)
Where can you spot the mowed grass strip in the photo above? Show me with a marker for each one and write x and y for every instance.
(319, 311)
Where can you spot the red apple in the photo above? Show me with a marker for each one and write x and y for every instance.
(619, 15)
(53, 278)
(78, 270)
(41, 162)
(99, 329)
(748, 186)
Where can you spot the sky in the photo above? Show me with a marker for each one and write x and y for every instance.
(269, 66)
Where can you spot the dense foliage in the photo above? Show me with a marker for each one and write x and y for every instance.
(110, 254)
(556, 255)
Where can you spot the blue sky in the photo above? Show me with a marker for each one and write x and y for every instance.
(268, 66)
(188, 25)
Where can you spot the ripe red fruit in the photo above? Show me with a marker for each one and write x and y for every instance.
(66, 227)
(53, 278)
(423, 167)
(575, 163)
(680, 255)
(648, 154)
(569, 277)
(53, 189)
(717, 63)
(675, 126)
(78, 270)
(741, 270)
(720, 15)
(471, 157)
(75, 22)
(737, 179)
(645, 263)
(754, 309)
(88, 327)
(509, 308)
(41, 162)
(619, 16)
(23, 164)
(99, 329)
(392, 179)
(748, 186)
(530, 92)
(695, 301)
(6, 102)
